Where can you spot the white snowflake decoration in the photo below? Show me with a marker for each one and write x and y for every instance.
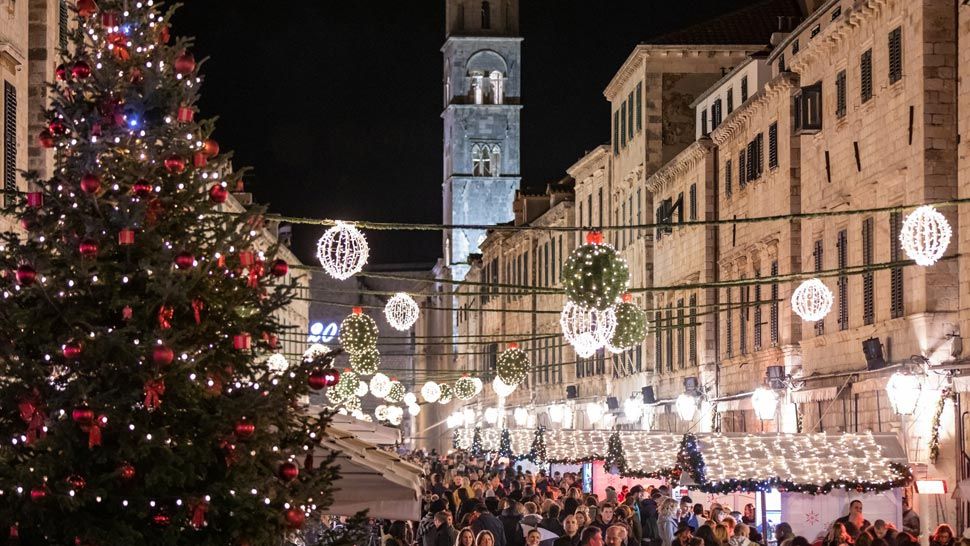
(925, 235)
(401, 312)
(501, 388)
(380, 385)
(277, 364)
(431, 392)
(342, 250)
(812, 300)
(395, 414)
(586, 328)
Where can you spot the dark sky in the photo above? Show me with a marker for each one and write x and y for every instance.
(336, 105)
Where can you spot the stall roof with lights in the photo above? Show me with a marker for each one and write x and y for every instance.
(370, 432)
(810, 463)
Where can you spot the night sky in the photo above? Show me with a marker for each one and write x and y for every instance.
(336, 105)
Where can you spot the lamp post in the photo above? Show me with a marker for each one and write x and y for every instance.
(904, 388)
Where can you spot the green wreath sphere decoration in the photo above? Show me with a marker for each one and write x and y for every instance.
(447, 393)
(358, 332)
(595, 275)
(397, 392)
(366, 362)
(352, 403)
(464, 388)
(345, 388)
(512, 366)
(631, 327)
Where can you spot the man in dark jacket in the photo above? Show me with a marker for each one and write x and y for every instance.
(483, 520)
(551, 521)
(510, 518)
(444, 534)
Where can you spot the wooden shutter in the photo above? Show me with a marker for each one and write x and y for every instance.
(865, 75)
(774, 304)
(841, 247)
(896, 275)
(9, 139)
(727, 178)
(895, 55)
(840, 94)
(773, 146)
(868, 287)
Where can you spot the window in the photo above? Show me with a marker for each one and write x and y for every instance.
(670, 338)
(757, 312)
(729, 327)
(895, 55)
(868, 286)
(773, 146)
(681, 327)
(715, 114)
(601, 206)
(623, 125)
(616, 132)
(727, 178)
(486, 16)
(692, 342)
(658, 344)
(9, 139)
(744, 88)
(759, 147)
(546, 263)
(815, 30)
(865, 76)
(498, 87)
(639, 103)
(840, 94)
(629, 124)
(622, 234)
(62, 24)
(774, 304)
(704, 122)
(639, 211)
(755, 163)
(730, 100)
(794, 47)
(742, 172)
(781, 63)
(817, 255)
(485, 159)
(693, 203)
(808, 109)
(840, 246)
(743, 318)
(896, 274)
(552, 260)
(478, 87)
(836, 12)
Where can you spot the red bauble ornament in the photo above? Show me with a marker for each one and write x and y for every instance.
(72, 349)
(279, 268)
(162, 355)
(210, 147)
(317, 379)
(56, 127)
(244, 429)
(88, 248)
(83, 415)
(331, 377)
(127, 472)
(184, 260)
(46, 139)
(174, 164)
(77, 482)
(161, 519)
(90, 183)
(594, 238)
(185, 63)
(218, 194)
(141, 188)
(81, 70)
(61, 71)
(295, 518)
(289, 471)
(38, 494)
(86, 8)
(26, 275)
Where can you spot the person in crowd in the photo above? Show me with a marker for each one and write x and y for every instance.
(864, 539)
(426, 527)
(611, 496)
(614, 536)
(465, 503)
(699, 518)
(445, 534)
(740, 536)
(466, 537)
(532, 537)
(667, 521)
(604, 517)
(729, 524)
(706, 533)
(582, 517)
(716, 513)
(696, 542)
(721, 534)
(905, 539)
(592, 536)
(483, 520)
(750, 519)
(910, 518)
(625, 514)
(570, 536)
(783, 532)
(551, 521)
(511, 517)
(632, 500)
(798, 541)
(854, 522)
(686, 513)
(943, 536)
(883, 530)
(485, 538)
(683, 536)
(532, 517)
(837, 535)
(624, 491)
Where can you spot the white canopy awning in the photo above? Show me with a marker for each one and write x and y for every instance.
(372, 479)
(373, 433)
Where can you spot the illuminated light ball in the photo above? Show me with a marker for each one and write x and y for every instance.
(352, 403)
(366, 362)
(631, 326)
(477, 384)
(142, 188)
(395, 414)
(401, 312)
(447, 393)
(491, 416)
(414, 410)
(380, 412)
(431, 392)
(184, 260)
(345, 387)
(501, 388)
(410, 399)
(90, 183)
(925, 235)
(314, 352)
(362, 390)
(513, 365)
(88, 248)
(289, 471)
(686, 406)
(218, 194)
(904, 391)
(380, 385)
(587, 329)
(358, 332)
(556, 413)
(185, 63)
(396, 393)
(277, 364)
(812, 300)
(633, 409)
(594, 411)
(454, 420)
(464, 388)
(26, 275)
(279, 268)
(595, 275)
(521, 416)
(342, 251)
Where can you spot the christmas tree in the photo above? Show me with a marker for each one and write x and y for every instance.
(136, 402)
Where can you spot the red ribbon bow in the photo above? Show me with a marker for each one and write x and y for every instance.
(154, 389)
(197, 307)
(198, 514)
(94, 434)
(165, 314)
(34, 418)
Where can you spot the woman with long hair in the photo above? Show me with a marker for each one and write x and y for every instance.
(466, 537)
(837, 536)
(943, 536)
(667, 521)
(721, 534)
(485, 538)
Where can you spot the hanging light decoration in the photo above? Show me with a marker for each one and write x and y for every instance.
(904, 390)
(277, 364)
(512, 365)
(380, 385)
(633, 409)
(501, 389)
(812, 300)
(431, 392)
(469, 416)
(380, 412)
(447, 393)
(594, 411)
(686, 405)
(361, 390)
(345, 387)
(366, 362)
(595, 274)
(491, 416)
(352, 404)
(314, 351)
(568, 416)
(395, 414)
(358, 332)
(477, 384)
(464, 388)
(586, 328)
(342, 250)
(454, 420)
(414, 410)
(765, 402)
(410, 399)
(396, 393)
(631, 326)
(925, 235)
(401, 312)
(521, 416)
(556, 412)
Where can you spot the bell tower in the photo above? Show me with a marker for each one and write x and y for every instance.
(482, 101)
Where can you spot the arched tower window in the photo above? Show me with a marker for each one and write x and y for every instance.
(486, 159)
(478, 86)
(495, 160)
(486, 15)
(498, 86)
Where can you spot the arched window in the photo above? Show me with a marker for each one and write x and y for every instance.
(486, 159)
(495, 160)
(498, 86)
(486, 16)
(478, 86)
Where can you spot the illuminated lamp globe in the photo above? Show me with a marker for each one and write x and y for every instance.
(925, 235)
(812, 300)
(431, 392)
(594, 411)
(765, 402)
(686, 406)
(464, 388)
(380, 412)
(491, 416)
(633, 409)
(277, 364)
(512, 365)
(342, 251)
(361, 390)
(414, 410)
(401, 312)
(501, 389)
(396, 393)
(380, 385)
(410, 399)
(904, 391)
(586, 328)
(477, 383)
(447, 393)
(358, 332)
(556, 413)
(454, 420)
(314, 351)
(345, 388)
(395, 415)
(366, 362)
(595, 274)
(521, 416)
(631, 326)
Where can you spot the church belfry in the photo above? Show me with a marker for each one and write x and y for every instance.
(482, 91)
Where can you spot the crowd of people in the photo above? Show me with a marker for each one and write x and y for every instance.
(475, 502)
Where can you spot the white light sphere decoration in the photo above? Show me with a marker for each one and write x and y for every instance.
(414, 410)
(491, 416)
(765, 402)
(477, 383)
(277, 364)
(633, 409)
(361, 389)
(502, 389)
(454, 420)
(521, 416)
(431, 392)
(925, 235)
(587, 329)
(469, 416)
(380, 412)
(380, 385)
(342, 250)
(594, 411)
(556, 412)
(395, 414)
(812, 300)
(401, 312)
(686, 406)
(410, 399)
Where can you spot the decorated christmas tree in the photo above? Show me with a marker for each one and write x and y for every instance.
(137, 405)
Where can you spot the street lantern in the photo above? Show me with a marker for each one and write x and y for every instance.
(686, 405)
(521, 416)
(904, 389)
(633, 408)
(765, 402)
(556, 412)
(594, 411)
